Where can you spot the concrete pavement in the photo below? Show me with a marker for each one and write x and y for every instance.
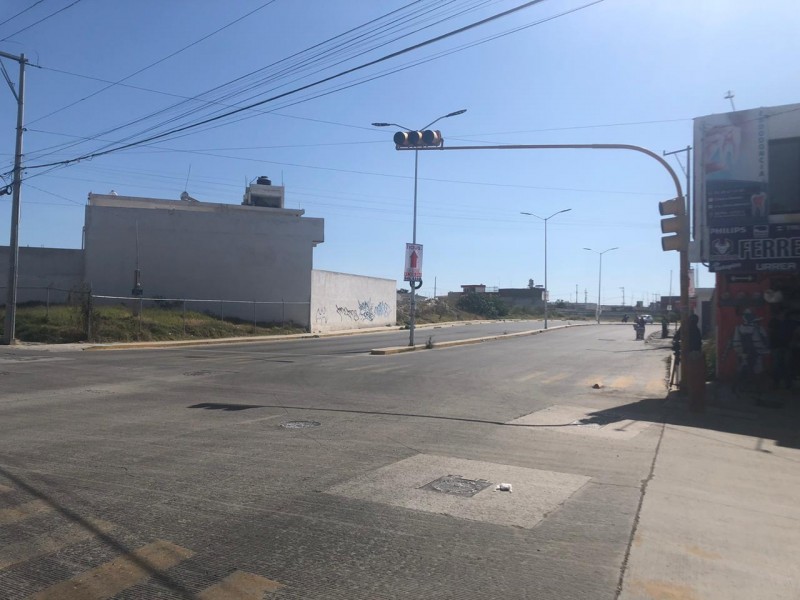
(720, 516)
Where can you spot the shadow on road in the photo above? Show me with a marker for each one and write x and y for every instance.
(157, 574)
(762, 416)
(721, 414)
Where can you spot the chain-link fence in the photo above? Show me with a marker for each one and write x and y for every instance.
(120, 318)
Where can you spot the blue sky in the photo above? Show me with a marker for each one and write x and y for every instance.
(557, 72)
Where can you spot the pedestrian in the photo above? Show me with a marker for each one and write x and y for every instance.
(781, 330)
(694, 338)
(751, 345)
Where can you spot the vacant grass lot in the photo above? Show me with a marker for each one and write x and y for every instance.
(64, 324)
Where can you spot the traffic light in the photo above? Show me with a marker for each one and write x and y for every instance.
(418, 139)
(677, 224)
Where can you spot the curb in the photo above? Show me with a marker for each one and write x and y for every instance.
(451, 343)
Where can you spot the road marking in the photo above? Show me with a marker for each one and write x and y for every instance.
(622, 382)
(555, 378)
(47, 543)
(240, 586)
(23, 511)
(363, 368)
(657, 387)
(530, 376)
(117, 575)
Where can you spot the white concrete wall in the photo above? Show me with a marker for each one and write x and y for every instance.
(340, 301)
(59, 269)
(204, 251)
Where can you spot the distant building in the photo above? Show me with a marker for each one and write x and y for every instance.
(473, 289)
(250, 261)
(512, 297)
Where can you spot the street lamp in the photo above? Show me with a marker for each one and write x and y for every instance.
(600, 277)
(545, 219)
(414, 287)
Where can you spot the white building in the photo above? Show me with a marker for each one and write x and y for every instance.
(252, 260)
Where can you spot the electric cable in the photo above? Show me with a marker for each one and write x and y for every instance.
(23, 11)
(153, 64)
(229, 113)
(34, 24)
(41, 153)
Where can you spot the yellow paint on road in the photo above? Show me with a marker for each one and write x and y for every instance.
(115, 576)
(555, 378)
(530, 376)
(55, 540)
(622, 382)
(23, 511)
(656, 388)
(240, 586)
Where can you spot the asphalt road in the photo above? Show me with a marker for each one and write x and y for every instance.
(311, 469)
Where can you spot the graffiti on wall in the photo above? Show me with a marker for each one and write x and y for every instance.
(348, 313)
(322, 316)
(365, 311)
(382, 309)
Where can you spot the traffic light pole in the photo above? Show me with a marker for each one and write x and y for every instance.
(435, 139)
(412, 321)
(684, 250)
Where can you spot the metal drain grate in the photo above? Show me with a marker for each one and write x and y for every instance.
(197, 373)
(300, 424)
(457, 485)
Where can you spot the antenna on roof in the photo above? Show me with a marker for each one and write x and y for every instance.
(729, 96)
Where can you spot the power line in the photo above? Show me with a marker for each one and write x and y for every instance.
(24, 10)
(34, 24)
(228, 84)
(153, 64)
(295, 90)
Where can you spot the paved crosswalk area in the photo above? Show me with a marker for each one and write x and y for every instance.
(173, 475)
(51, 553)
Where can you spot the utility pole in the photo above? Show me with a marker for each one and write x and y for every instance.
(623, 296)
(576, 294)
(13, 254)
(585, 296)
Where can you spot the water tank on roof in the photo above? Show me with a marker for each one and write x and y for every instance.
(263, 180)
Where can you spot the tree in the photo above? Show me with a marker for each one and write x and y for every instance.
(486, 305)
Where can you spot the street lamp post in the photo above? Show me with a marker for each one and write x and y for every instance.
(600, 277)
(545, 219)
(413, 285)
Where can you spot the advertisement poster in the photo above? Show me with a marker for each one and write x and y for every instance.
(755, 248)
(413, 268)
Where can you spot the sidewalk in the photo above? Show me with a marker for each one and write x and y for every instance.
(720, 517)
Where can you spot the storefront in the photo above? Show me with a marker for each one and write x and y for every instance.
(747, 229)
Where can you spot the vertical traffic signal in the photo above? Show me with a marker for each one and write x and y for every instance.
(429, 138)
(677, 224)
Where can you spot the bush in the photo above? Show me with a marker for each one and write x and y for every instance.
(485, 305)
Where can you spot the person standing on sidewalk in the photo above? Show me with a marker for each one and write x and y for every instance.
(781, 333)
(694, 338)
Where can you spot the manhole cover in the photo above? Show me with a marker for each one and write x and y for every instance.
(197, 373)
(300, 424)
(457, 485)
